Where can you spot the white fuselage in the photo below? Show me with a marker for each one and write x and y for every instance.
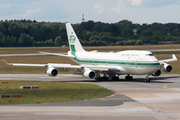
(134, 62)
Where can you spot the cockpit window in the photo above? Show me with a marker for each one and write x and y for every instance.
(149, 55)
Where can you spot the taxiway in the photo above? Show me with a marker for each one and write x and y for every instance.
(135, 99)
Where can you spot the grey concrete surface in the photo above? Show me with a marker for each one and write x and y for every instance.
(133, 100)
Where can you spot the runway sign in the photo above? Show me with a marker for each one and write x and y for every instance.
(29, 87)
(10, 96)
(16, 96)
(4, 82)
(5, 96)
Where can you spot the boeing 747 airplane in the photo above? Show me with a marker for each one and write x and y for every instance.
(103, 65)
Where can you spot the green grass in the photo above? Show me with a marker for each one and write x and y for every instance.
(49, 92)
(175, 71)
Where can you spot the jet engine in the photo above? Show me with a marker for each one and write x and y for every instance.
(166, 68)
(89, 74)
(157, 73)
(52, 72)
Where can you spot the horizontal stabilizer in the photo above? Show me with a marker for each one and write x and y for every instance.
(57, 54)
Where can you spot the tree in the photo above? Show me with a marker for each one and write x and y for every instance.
(13, 41)
(58, 41)
(128, 32)
(175, 32)
(49, 42)
(25, 40)
(3, 29)
(154, 42)
(1, 35)
(139, 42)
(168, 38)
(27, 32)
(4, 41)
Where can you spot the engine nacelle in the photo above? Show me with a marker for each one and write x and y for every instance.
(89, 74)
(157, 73)
(166, 68)
(52, 72)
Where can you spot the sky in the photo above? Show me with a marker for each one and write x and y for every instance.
(108, 11)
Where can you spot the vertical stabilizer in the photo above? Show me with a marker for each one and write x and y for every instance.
(74, 43)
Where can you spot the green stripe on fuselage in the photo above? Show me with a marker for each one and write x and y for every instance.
(95, 61)
(139, 63)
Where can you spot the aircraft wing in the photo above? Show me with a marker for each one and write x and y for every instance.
(110, 69)
(29, 54)
(57, 54)
(54, 65)
(174, 58)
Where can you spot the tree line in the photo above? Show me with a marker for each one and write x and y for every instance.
(23, 33)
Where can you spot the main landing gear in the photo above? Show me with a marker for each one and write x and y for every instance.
(102, 78)
(128, 77)
(106, 78)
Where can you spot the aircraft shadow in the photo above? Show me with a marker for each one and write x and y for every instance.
(153, 80)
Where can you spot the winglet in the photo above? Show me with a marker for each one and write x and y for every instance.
(5, 62)
(174, 57)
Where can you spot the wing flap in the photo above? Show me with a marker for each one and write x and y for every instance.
(68, 66)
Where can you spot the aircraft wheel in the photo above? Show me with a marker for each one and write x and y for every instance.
(129, 78)
(98, 79)
(106, 78)
(147, 80)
